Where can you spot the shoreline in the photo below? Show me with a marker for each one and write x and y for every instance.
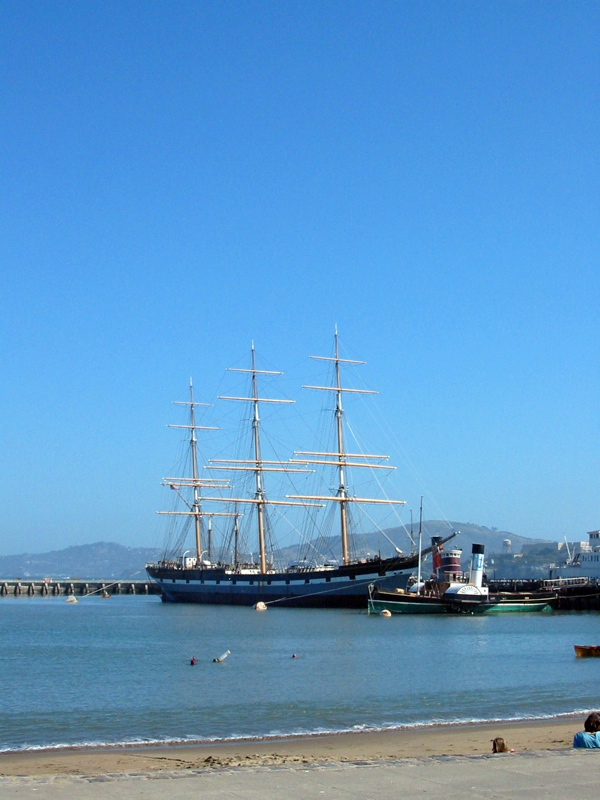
(467, 739)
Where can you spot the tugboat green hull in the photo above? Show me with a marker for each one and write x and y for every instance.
(500, 605)
(408, 605)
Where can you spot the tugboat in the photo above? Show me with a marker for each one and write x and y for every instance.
(450, 591)
(475, 598)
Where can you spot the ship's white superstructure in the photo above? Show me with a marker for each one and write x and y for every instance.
(585, 563)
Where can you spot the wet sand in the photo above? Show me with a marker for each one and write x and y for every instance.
(450, 740)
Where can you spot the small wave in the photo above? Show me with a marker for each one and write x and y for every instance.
(275, 736)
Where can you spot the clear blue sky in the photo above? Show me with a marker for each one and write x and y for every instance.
(180, 178)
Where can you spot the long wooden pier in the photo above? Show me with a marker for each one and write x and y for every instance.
(67, 586)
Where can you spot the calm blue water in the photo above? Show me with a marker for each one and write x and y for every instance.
(114, 671)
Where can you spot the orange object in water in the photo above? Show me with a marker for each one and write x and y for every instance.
(583, 650)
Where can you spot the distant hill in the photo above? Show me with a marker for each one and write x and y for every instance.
(491, 538)
(111, 560)
(100, 560)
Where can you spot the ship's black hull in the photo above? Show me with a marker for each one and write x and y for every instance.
(342, 587)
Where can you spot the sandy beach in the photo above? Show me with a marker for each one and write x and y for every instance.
(451, 740)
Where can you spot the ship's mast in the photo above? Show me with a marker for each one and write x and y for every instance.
(257, 465)
(196, 505)
(420, 545)
(342, 489)
(260, 492)
(194, 482)
(340, 458)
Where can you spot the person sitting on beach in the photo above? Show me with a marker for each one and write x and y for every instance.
(590, 736)
(499, 745)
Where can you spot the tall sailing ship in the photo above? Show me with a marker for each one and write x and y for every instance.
(232, 575)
